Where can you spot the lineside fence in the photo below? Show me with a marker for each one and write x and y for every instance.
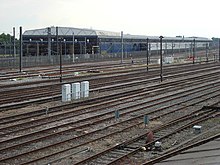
(8, 61)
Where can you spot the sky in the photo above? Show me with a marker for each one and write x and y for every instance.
(138, 17)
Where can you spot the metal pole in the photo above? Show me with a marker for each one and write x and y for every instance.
(21, 49)
(5, 47)
(60, 61)
(219, 49)
(73, 47)
(85, 45)
(100, 46)
(65, 46)
(14, 49)
(166, 48)
(161, 62)
(27, 49)
(57, 41)
(194, 46)
(147, 53)
(172, 48)
(10, 46)
(122, 47)
(191, 49)
(49, 43)
(37, 52)
(206, 52)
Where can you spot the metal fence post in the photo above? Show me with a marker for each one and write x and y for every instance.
(147, 53)
(161, 59)
(21, 50)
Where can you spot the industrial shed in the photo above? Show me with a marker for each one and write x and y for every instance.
(68, 41)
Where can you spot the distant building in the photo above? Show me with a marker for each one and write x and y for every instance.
(87, 41)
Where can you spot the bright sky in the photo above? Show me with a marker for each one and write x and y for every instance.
(144, 17)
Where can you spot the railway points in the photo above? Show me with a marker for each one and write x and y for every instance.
(36, 127)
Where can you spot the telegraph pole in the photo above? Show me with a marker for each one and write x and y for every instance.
(73, 48)
(122, 47)
(14, 49)
(147, 53)
(206, 52)
(21, 50)
(219, 49)
(161, 62)
(59, 52)
(194, 50)
(57, 41)
(49, 43)
(60, 60)
(85, 45)
(149, 49)
(172, 48)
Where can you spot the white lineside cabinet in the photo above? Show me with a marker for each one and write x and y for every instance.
(66, 92)
(75, 91)
(85, 89)
(158, 61)
(169, 60)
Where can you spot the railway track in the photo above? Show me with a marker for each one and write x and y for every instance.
(163, 86)
(131, 152)
(78, 111)
(100, 87)
(143, 108)
(88, 132)
(53, 71)
(164, 135)
(194, 143)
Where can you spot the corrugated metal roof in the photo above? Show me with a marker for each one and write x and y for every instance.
(68, 31)
(64, 31)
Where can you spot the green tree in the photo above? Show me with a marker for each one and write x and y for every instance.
(5, 38)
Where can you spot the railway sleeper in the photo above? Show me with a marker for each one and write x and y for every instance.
(120, 152)
(108, 158)
(117, 153)
(135, 145)
(211, 107)
(113, 155)
(128, 148)
(98, 162)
